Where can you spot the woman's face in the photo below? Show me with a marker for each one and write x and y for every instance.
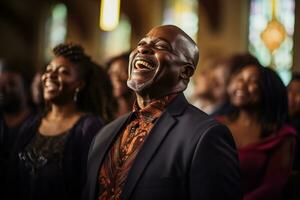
(203, 84)
(60, 81)
(244, 89)
(118, 75)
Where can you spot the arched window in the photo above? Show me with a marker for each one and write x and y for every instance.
(56, 28)
(117, 41)
(272, 42)
(184, 14)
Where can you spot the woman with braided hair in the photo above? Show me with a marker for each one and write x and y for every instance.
(51, 153)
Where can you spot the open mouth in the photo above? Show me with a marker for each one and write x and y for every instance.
(239, 93)
(143, 65)
(50, 85)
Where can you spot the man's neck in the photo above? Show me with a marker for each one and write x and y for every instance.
(143, 101)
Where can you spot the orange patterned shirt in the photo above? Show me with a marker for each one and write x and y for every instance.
(115, 168)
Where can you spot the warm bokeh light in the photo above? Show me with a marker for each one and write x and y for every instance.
(271, 32)
(273, 35)
(183, 13)
(109, 14)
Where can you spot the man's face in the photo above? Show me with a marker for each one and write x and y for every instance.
(157, 63)
(219, 80)
(12, 92)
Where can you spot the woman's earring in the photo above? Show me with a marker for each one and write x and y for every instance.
(75, 98)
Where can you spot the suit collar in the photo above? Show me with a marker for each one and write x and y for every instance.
(156, 136)
(178, 105)
(102, 144)
(105, 139)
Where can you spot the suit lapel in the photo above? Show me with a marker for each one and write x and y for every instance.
(101, 146)
(152, 143)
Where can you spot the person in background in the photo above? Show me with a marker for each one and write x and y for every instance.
(117, 68)
(294, 112)
(212, 82)
(165, 149)
(292, 188)
(49, 159)
(210, 88)
(37, 92)
(265, 142)
(14, 110)
(108, 102)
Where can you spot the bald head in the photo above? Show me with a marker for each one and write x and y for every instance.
(162, 63)
(182, 43)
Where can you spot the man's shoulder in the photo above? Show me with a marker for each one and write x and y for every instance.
(197, 115)
(198, 120)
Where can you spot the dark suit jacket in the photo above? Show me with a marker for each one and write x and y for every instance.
(187, 155)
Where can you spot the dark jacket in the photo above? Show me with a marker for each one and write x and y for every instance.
(187, 155)
(74, 160)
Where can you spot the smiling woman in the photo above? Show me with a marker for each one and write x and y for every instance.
(265, 143)
(49, 160)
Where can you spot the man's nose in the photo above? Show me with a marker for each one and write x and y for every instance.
(145, 49)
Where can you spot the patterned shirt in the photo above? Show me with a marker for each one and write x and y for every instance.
(115, 168)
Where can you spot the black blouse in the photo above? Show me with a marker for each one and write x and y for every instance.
(52, 167)
(43, 158)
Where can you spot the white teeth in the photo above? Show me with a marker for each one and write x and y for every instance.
(50, 85)
(239, 93)
(140, 63)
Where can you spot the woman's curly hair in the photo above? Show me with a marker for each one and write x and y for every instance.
(96, 96)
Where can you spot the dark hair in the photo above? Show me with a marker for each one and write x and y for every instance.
(19, 68)
(274, 101)
(273, 110)
(22, 70)
(238, 61)
(295, 76)
(107, 101)
(94, 97)
(124, 56)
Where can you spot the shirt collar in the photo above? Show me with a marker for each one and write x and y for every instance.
(152, 111)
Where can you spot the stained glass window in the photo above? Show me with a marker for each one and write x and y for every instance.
(261, 12)
(117, 41)
(56, 28)
(184, 14)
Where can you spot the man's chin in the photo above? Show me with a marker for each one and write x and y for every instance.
(138, 87)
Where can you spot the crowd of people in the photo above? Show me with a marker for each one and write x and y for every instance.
(124, 130)
(263, 117)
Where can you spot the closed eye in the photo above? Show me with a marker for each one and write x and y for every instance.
(162, 45)
(64, 71)
(141, 43)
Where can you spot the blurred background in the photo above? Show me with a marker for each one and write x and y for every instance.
(268, 29)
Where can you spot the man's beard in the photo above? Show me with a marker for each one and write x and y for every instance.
(140, 88)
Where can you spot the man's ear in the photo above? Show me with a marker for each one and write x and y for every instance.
(187, 71)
